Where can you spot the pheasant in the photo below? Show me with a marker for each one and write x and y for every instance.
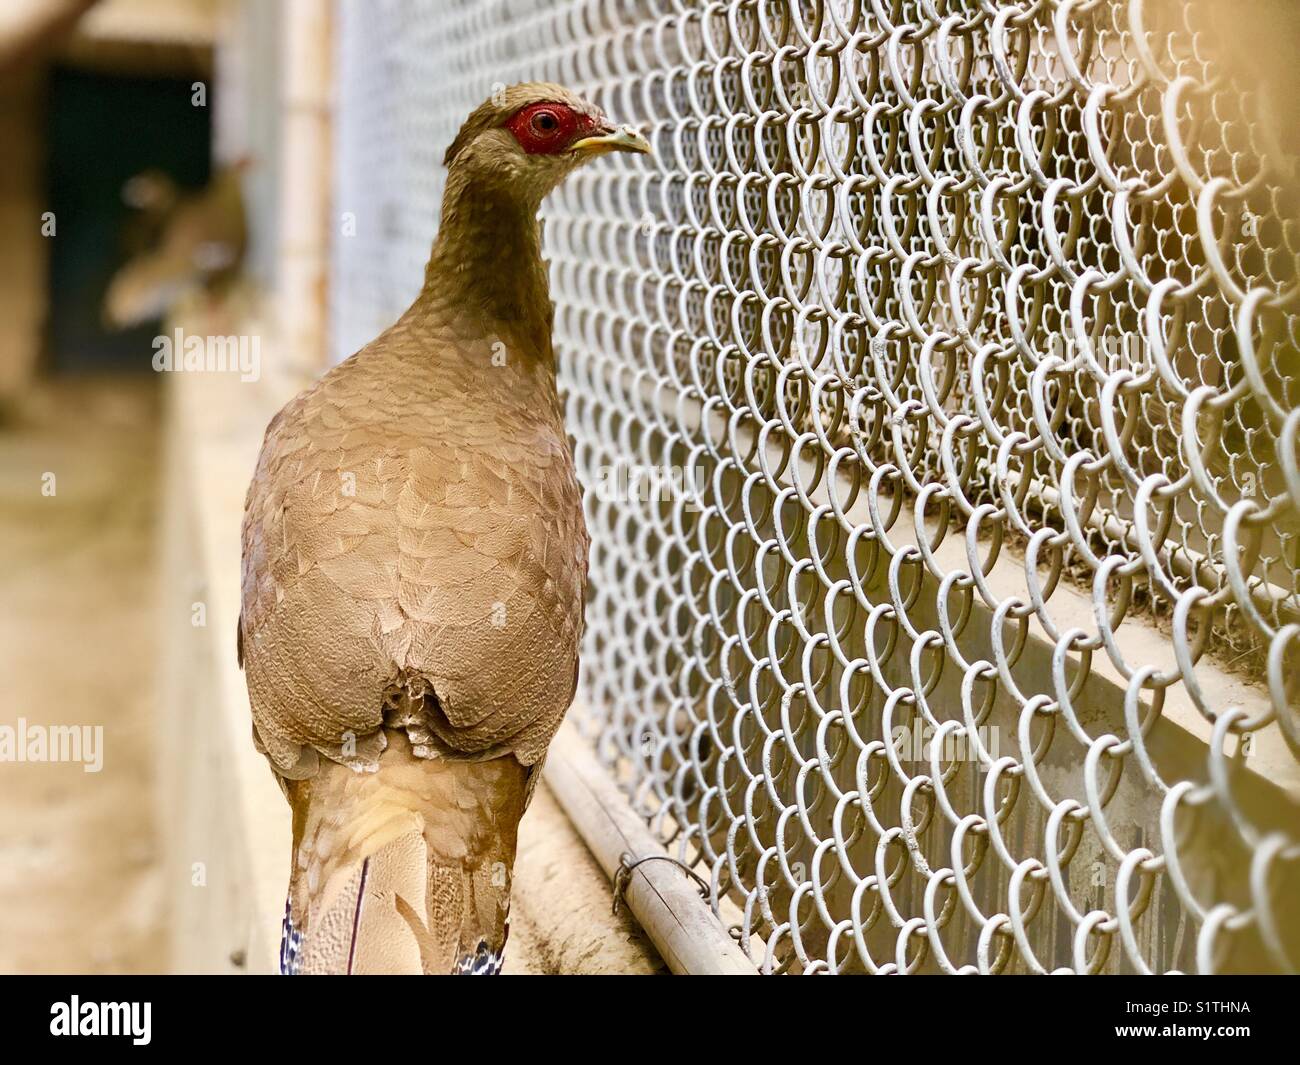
(414, 570)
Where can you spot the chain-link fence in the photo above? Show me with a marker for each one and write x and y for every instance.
(937, 395)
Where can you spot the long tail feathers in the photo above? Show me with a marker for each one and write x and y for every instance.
(403, 871)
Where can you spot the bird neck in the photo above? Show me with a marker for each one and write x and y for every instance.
(487, 262)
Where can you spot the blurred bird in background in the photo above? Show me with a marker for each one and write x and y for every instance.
(184, 243)
(414, 570)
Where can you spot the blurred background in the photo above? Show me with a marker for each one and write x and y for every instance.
(142, 143)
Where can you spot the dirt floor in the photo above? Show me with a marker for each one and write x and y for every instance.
(79, 877)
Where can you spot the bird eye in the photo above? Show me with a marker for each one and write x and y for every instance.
(545, 122)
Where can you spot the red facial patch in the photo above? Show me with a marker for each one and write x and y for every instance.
(548, 128)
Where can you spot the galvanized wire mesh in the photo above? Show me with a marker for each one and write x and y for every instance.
(937, 395)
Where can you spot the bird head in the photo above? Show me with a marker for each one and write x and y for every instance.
(529, 137)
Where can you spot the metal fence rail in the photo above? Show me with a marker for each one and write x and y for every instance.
(937, 395)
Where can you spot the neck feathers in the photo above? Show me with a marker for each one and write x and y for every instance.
(487, 263)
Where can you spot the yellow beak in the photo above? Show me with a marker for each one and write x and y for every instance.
(623, 139)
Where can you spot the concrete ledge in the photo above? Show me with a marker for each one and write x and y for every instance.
(664, 899)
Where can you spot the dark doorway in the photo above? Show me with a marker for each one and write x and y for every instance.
(103, 130)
